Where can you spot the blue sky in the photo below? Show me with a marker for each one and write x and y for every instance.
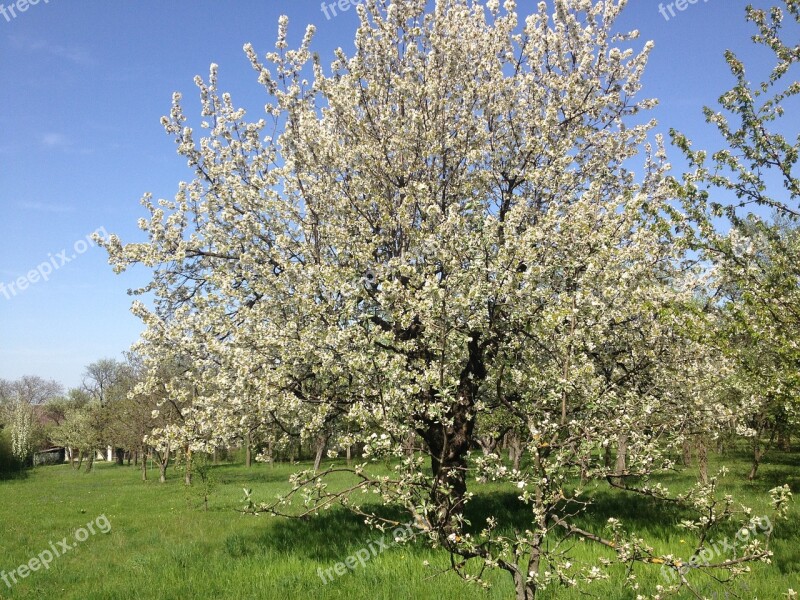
(82, 88)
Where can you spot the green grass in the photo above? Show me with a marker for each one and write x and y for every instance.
(161, 548)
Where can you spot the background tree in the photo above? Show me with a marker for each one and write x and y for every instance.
(78, 431)
(108, 382)
(755, 268)
(22, 401)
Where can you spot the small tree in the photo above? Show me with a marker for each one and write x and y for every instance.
(203, 482)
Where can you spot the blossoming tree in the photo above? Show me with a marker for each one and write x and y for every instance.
(441, 224)
(755, 257)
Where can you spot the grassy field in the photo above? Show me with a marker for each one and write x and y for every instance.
(162, 546)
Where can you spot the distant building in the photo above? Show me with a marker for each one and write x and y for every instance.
(49, 456)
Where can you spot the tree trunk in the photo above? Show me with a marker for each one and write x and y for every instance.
(754, 467)
(410, 443)
(702, 461)
(687, 453)
(517, 447)
(90, 462)
(321, 443)
(349, 455)
(163, 463)
(621, 465)
(144, 464)
(449, 444)
(449, 466)
(248, 454)
(524, 590)
(187, 478)
(759, 451)
(785, 440)
(489, 443)
(119, 453)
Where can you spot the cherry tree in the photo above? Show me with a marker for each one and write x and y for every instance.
(754, 258)
(441, 223)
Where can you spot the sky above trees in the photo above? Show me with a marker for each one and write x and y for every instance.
(84, 84)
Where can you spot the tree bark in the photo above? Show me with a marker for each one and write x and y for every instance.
(448, 446)
(754, 466)
(524, 590)
(515, 449)
(785, 440)
(321, 443)
(448, 449)
(759, 451)
(490, 442)
(163, 463)
(248, 453)
(702, 461)
(187, 478)
(410, 441)
(621, 465)
(687, 453)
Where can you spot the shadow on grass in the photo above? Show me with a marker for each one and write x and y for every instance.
(13, 475)
(327, 537)
(636, 512)
(235, 475)
(768, 478)
(336, 534)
